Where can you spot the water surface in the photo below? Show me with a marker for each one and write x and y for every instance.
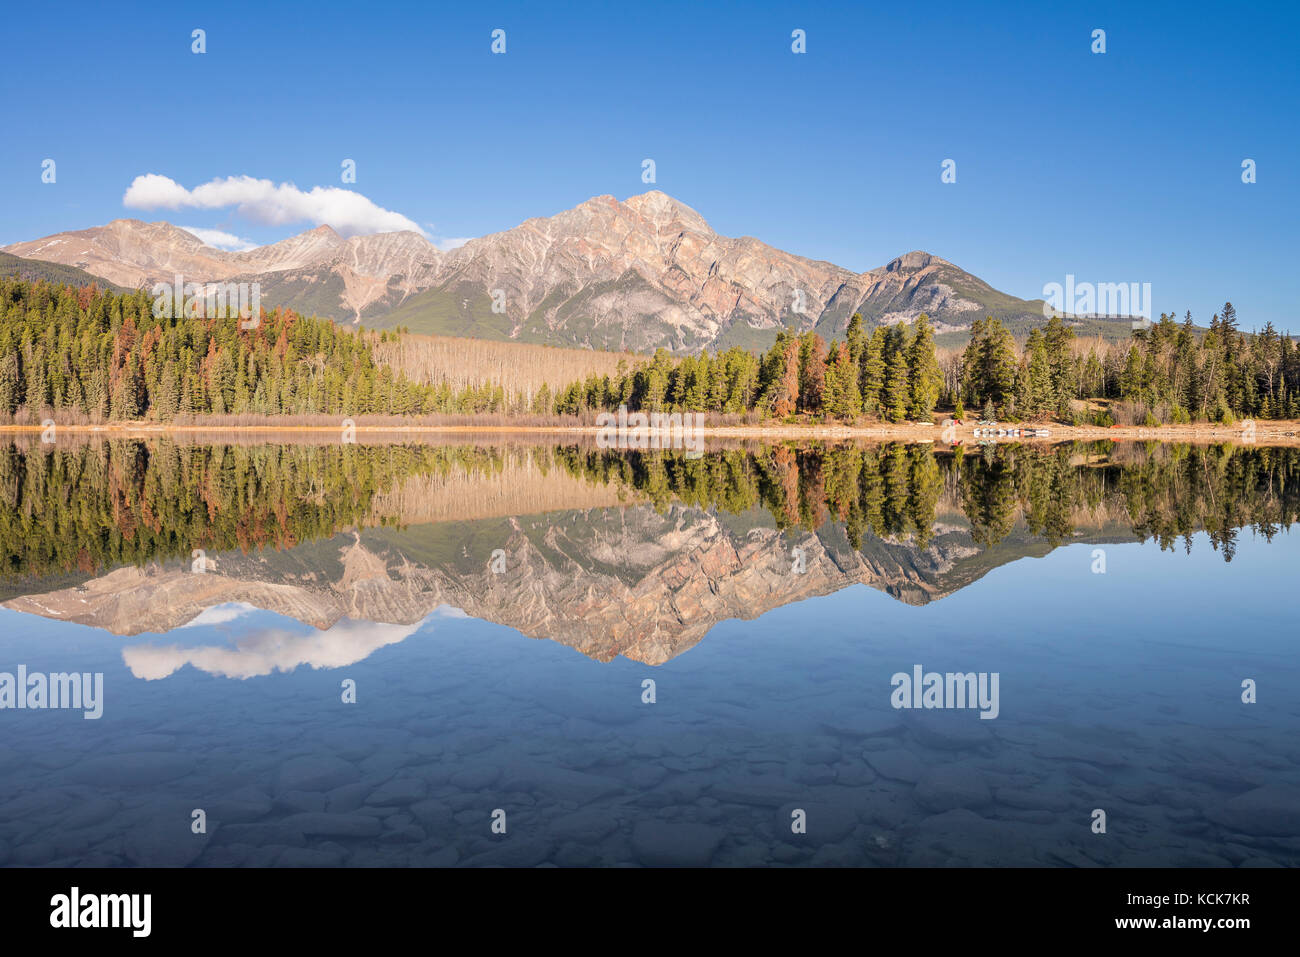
(499, 606)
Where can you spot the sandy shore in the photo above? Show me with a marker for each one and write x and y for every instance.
(1280, 432)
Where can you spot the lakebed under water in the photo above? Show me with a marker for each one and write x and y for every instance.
(501, 653)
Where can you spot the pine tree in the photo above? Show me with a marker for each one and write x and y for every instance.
(897, 388)
(872, 376)
(925, 379)
(852, 403)
(855, 340)
(989, 369)
(812, 373)
(1059, 342)
(834, 386)
(788, 390)
(843, 400)
(128, 400)
(8, 383)
(167, 401)
(38, 390)
(1039, 394)
(542, 400)
(1130, 382)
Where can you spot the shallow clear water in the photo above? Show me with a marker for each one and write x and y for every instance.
(1119, 692)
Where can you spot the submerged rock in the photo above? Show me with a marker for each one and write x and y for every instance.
(827, 823)
(315, 772)
(166, 840)
(398, 791)
(950, 730)
(324, 824)
(668, 843)
(138, 769)
(896, 764)
(1271, 811)
(948, 787)
(559, 784)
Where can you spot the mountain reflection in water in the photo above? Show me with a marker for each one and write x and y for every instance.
(260, 580)
(631, 553)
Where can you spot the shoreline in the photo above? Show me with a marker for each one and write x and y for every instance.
(1271, 432)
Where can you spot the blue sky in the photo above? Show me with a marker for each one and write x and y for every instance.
(1115, 167)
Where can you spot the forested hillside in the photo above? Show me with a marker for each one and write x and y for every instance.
(88, 353)
(1168, 372)
(16, 267)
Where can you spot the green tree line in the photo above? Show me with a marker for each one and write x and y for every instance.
(105, 356)
(1167, 372)
(92, 507)
(1168, 492)
(85, 509)
(891, 373)
(102, 356)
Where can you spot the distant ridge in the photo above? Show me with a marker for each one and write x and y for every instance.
(636, 275)
(33, 270)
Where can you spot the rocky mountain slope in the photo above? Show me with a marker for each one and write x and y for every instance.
(316, 271)
(34, 270)
(632, 582)
(645, 272)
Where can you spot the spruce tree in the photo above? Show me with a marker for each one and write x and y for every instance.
(925, 379)
(897, 388)
(871, 379)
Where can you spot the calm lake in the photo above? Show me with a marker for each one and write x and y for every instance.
(499, 651)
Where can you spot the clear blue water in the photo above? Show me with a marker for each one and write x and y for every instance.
(1119, 692)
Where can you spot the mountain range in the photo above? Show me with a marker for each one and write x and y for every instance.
(635, 275)
(633, 581)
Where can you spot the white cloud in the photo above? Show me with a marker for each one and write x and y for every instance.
(220, 614)
(262, 201)
(447, 611)
(269, 650)
(220, 240)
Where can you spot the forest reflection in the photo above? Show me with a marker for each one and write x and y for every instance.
(83, 509)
